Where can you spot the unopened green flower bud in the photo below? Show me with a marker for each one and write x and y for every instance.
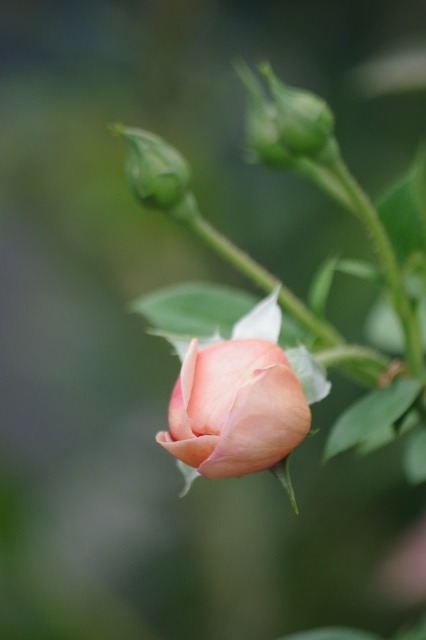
(158, 174)
(305, 122)
(262, 132)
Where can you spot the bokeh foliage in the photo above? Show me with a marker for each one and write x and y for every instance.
(93, 542)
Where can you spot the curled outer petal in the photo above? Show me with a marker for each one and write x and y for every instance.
(179, 423)
(221, 371)
(192, 451)
(269, 418)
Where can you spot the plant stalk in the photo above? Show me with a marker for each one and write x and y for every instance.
(319, 328)
(338, 182)
(367, 214)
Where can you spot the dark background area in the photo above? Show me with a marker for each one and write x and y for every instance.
(93, 541)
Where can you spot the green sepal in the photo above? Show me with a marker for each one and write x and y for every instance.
(189, 475)
(281, 471)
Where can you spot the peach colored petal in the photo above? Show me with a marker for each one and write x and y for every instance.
(193, 451)
(222, 370)
(179, 424)
(188, 371)
(270, 417)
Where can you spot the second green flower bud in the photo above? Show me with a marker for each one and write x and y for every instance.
(288, 125)
(304, 120)
(158, 174)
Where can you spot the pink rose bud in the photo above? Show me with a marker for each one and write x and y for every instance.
(236, 408)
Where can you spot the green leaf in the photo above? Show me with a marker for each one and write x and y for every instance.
(359, 269)
(400, 69)
(382, 327)
(321, 285)
(402, 210)
(201, 308)
(416, 633)
(376, 411)
(377, 439)
(386, 433)
(415, 458)
(383, 330)
(323, 280)
(332, 633)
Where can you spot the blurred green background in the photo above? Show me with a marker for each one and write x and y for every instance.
(93, 541)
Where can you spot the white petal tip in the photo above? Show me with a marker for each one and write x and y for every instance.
(263, 322)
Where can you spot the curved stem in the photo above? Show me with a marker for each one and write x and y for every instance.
(334, 178)
(362, 207)
(362, 363)
(352, 353)
(367, 214)
(327, 335)
(419, 189)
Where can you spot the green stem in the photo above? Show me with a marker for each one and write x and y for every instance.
(361, 363)
(265, 280)
(367, 214)
(334, 178)
(419, 189)
(324, 178)
(363, 208)
(352, 353)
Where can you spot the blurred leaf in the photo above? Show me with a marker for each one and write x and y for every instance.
(417, 633)
(202, 308)
(402, 210)
(415, 458)
(359, 269)
(382, 327)
(195, 308)
(402, 69)
(385, 434)
(376, 411)
(332, 634)
(321, 285)
(181, 343)
(378, 438)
